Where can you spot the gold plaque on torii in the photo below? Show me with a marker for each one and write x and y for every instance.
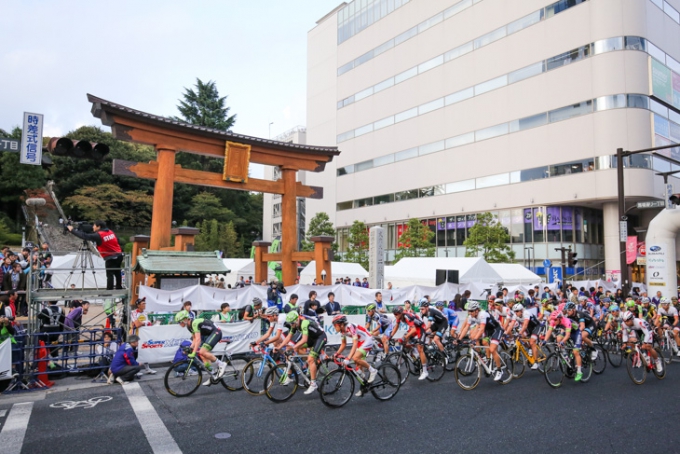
(236, 161)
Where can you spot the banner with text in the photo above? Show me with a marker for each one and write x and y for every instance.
(6, 360)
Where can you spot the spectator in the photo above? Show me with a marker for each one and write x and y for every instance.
(45, 252)
(657, 299)
(51, 320)
(182, 354)
(250, 280)
(73, 322)
(290, 305)
(7, 332)
(138, 318)
(241, 283)
(8, 306)
(187, 307)
(5, 269)
(253, 311)
(464, 299)
(16, 280)
(106, 351)
(364, 283)
(389, 286)
(312, 311)
(546, 293)
(124, 365)
(297, 281)
(314, 281)
(109, 249)
(273, 295)
(337, 281)
(312, 297)
(357, 283)
(332, 307)
(211, 282)
(380, 306)
(220, 283)
(72, 304)
(223, 316)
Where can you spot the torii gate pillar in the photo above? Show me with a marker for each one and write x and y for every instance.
(161, 221)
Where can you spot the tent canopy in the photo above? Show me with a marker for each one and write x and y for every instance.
(514, 274)
(423, 270)
(242, 267)
(338, 269)
(67, 270)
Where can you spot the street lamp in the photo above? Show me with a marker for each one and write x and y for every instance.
(529, 248)
(323, 277)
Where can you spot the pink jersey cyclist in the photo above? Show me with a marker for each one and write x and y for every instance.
(359, 334)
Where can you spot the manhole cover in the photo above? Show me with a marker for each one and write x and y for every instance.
(222, 435)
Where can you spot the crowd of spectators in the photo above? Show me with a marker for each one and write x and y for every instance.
(15, 269)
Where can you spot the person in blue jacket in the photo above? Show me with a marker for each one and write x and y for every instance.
(124, 365)
(450, 315)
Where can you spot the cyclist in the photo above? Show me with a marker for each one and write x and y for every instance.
(633, 329)
(527, 325)
(362, 342)
(451, 316)
(276, 329)
(646, 310)
(585, 323)
(437, 323)
(205, 336)
(668, 319)
(585, 305)
(501, 312)
(486, 325)
(416, 329)
(613, 319)
(571, 331)
(313, 337)
(546, 309)
(407, 307)
(384, 329)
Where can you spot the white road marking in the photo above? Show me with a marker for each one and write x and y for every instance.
(14, 431)
(3, 413)
(156, 433)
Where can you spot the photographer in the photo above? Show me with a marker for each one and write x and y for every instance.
(108, 247)
(274, 295)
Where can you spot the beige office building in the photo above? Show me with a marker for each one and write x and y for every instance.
(443, 109)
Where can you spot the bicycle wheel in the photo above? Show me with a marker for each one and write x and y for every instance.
(180, 380)
(467, 373)
(519, 366)
(665, 350)
(614, 353)
(506, 368)
(660, 375)
(586, 370)
(452, 356)
(552, 371)
(232, 376)
(637, 367)
(600, 363)
(435, 366)
(252, 377)
(399, 361)
(279, 387)
(336, 388)
(387, 382)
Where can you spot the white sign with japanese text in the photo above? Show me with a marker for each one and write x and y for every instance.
(31, 139)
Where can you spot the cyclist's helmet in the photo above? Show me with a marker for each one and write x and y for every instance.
(272, 311)
(340, 320)
(370, 307)
(439, 304)
(646, 300)
(606, 300)
(292, 317)
(398, 310)
(181, 315)
(257, 302)
(517, 307)
(423, 301)
(545, 301)
(630, 303)
(569, 306)
(628, 315)
(472, 306)
(614, 308)
(665, 300)
(499, 301)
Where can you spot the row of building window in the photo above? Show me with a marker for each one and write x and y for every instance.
(558, 61)
(563, 113)
(360, 14)
(513, 27)
(453, 54)
(668, 9)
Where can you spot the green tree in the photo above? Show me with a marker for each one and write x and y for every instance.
(205, 107)
(110, 203)
(320, 224)
(489, 238)
(415, 241)
(357, 244)
(215, 236)
(208, 206)
(229, 243)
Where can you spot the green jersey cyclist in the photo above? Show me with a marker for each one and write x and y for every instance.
(205, 336)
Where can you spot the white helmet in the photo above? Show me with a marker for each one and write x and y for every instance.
(517, 307)
(628, 315)
(472, 306)
(665, 300)
(272, 311)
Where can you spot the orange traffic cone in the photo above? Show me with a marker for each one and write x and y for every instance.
(42, 366)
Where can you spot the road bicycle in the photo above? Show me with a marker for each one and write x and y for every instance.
(184, 377)
(521, 357)
(436, 360)
(667, 344)
(405, 358)
(611, 343)
(469, 368)
(283, 379)
(255, 371)
(639, 362)
(561, 363)
(337, 387)
(454, 350)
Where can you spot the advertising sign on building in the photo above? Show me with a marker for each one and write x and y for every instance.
(376, 257)
(656, 265)
(661, 82)
(31, 139)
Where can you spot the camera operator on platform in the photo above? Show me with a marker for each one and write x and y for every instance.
(109, 249)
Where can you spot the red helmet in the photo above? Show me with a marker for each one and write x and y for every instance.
(339, 319)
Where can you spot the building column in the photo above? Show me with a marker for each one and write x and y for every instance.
(288, 227)
(161, 220)
(610, 219)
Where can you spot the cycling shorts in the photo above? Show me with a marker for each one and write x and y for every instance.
(536, 332)
(388, 331)
(576, 338)
(495, 337)
(210, 341)
(319, 344)
(439, 329)
(365, 347)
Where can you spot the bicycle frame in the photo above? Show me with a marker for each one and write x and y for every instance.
(521, 349)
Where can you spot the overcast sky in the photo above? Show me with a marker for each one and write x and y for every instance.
(142, 54)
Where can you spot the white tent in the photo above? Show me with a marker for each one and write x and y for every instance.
(72, 269)
(515, 274)
(242, 267)
(422, 271)
(338, 269)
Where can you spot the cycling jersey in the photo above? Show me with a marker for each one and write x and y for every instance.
(526, 315)
(437, 317)
(565, 322)
(452, 317)
(358, 333)
(281, 325)
(647, 312)
(669, 315)
(492, 328)
(502, 313)
(382, 320)
(640, 327)
(414, 322)
(316, 337)
(203, 326)
(583, 317)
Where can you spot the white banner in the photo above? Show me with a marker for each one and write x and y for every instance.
(31, 139)
(6, 360)
(159, 343)
(334, 338)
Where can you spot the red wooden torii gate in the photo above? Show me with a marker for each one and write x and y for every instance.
(170, 136)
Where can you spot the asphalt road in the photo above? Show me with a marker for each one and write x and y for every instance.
(608, 414)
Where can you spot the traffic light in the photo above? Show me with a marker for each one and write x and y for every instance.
(79, 149)
(572, 259)
(674, 199)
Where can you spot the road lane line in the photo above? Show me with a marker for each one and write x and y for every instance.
(156, 433)
(3, 413)
(14, 430)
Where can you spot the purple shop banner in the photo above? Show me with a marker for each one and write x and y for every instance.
(550, 218)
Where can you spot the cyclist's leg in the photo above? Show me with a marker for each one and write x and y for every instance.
(577, 340)
(314, 353)
(209, 344)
